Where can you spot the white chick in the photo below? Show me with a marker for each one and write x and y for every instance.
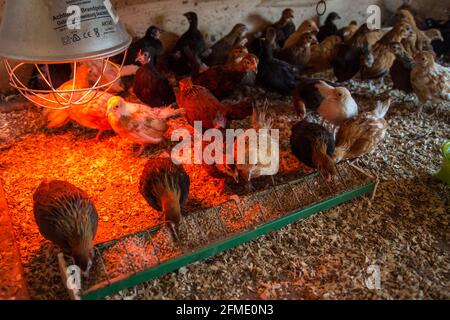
(338, 104)
(139, 123)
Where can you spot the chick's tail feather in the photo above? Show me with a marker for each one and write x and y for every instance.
(382, 108)
(260, 118)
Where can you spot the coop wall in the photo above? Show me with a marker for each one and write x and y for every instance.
(218, 16)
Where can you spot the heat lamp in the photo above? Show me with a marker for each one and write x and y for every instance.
(45, 32)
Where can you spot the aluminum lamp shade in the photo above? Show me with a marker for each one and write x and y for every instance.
(45, 31)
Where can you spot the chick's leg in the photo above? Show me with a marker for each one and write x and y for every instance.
(99, 134)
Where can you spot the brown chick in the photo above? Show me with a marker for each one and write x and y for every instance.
(165, 187)
(201, 105)
(400, 71)
(299, 54)
(347, 32)
(418, 17)
(382, 54)
(307, 26)
(430, 80)
(223, 80)
(416, 41)
(361, 134)
(313, 145)
(66, 216)
(323, 53)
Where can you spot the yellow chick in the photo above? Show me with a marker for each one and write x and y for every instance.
(139, 123)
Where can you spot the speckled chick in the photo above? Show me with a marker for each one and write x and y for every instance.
(66, 216)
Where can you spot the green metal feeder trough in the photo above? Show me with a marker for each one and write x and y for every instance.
(140, 257)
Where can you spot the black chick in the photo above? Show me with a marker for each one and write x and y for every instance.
(151, 39)
(150, 86)
(165, 187)
(276, 75)
(189, 50)
(221, 48)
(307, 96)
(347, 62)
(440, 47)
(67, 217)
(329, 28)
(400, 71)
(313, 145)
(284, 27)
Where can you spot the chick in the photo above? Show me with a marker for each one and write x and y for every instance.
(440, 47)
(361, 134)
(324, 53)
(285, 27)
(400, 71)
(338, 104)
(190, 49)
(383, 56)
(222, 80)
(418, 17)
(202, 105)
(418, 39)
(307, 96)
(329, 28)
(307, 26)
(165, 187)
(150, 86)
(313, 146)
(276, 75)
(66, 216)
(347, 62)
(91, 114)
(221, 48)
(51, 100)
(263, 167)
(434, 35)
(299, 54)
(347, 32)
(430, 80)
(151, 39)
(139, 123)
